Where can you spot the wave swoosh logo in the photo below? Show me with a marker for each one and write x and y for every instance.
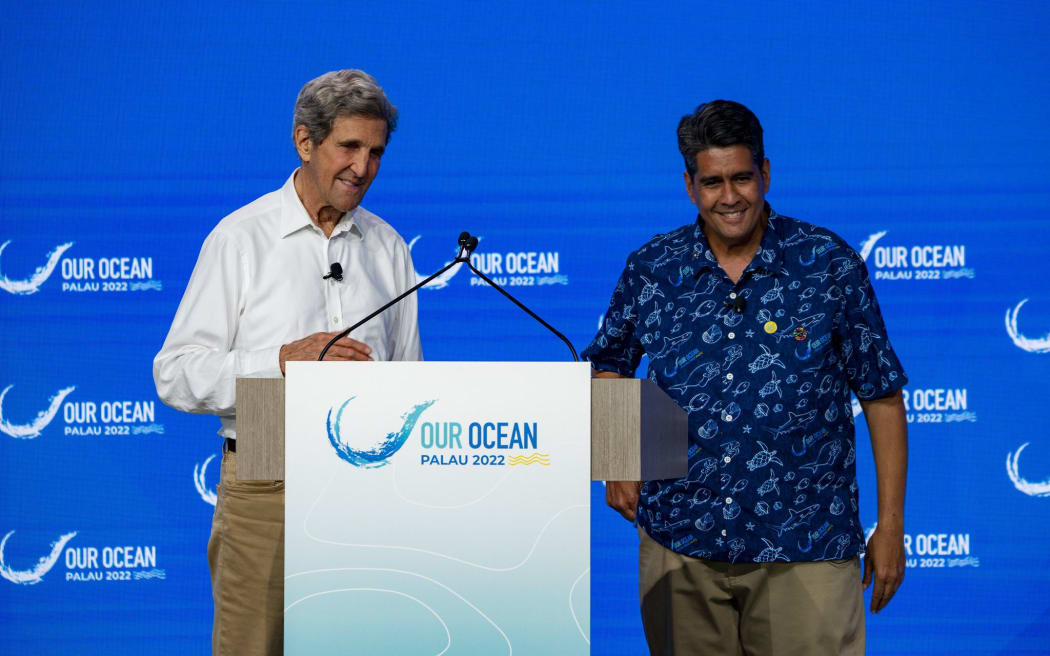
(208, 495)
(441, 281)
(378, 455)
(43, 566)
(869, 244)
(1032, 345)
(32, 284)
(1041, 489)
(34, 428)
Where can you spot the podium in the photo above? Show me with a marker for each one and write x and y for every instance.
(444, 507)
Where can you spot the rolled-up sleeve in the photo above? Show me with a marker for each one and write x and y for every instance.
(872, 367)
(616, 347)
(196, 369)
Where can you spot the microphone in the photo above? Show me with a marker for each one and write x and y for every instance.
(467, 244)
(335, 270)
(737, 304)
(470, 244)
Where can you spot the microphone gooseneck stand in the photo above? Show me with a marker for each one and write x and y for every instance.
(467, 244)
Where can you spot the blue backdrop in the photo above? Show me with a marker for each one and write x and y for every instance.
(916, 132)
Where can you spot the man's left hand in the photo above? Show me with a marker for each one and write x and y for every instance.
(884, 559)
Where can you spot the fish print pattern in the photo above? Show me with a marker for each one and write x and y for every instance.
(772, 473)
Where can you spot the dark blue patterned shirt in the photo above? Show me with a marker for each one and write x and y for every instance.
(772, 473)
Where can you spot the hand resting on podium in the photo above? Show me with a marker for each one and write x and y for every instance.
(309, 347)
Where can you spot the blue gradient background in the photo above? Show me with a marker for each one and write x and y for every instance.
(131, 130)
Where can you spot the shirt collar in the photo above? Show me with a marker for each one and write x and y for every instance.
(768, 257)
(294, 216)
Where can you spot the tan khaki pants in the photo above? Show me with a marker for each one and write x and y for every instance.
(705, 607)
(246, 558)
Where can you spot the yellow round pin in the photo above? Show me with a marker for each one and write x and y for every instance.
(770, 327)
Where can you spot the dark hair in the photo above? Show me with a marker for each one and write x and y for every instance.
(719, 124)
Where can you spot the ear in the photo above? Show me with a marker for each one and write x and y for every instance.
(689, 186)
(765, 174)
(303, 144)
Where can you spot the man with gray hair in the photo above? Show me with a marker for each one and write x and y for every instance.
(266, 291)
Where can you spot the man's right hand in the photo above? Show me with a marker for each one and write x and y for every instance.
(622, 496)
(308, 348)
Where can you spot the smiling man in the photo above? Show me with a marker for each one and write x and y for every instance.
(760, 326)
(265, 292)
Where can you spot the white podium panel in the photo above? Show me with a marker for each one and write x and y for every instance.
(437, 508)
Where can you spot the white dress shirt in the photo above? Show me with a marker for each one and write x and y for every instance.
(257, 286)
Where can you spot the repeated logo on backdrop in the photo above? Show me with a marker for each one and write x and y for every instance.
(83, 561)
(937, 405)
(80, 273)
(206, 493)
(889, 259)
(78, 416)
(936, 550)
(505, 268)
(1031, 345)
(1032, 489)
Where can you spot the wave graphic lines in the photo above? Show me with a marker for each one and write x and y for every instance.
(531, 459)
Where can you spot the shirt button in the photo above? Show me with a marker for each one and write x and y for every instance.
(729, 376)
(726, 459)
(723, 532)
(732, 294)
(729, 500)
(729, 417)
(336, 319)
(731, 335)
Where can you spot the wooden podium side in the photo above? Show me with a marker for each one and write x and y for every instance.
(260, 429)
(638, 433)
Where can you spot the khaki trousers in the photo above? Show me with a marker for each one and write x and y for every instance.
(705, 607)
(246, 558)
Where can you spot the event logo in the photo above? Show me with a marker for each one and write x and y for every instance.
(85, 418)
(1041, 489)
(475, 443)
(31, 285)
(1030, 344)
(507, 269)
(441, 281)
(915, 261)
(937, 406)
(480, 443)
(935, 550)
(88, 563)
(379, 454)
(36, 573)
(543, 459)
(519, 269)
(209, 495)
(43, 418)
(86, 274)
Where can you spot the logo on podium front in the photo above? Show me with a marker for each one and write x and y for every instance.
(379, 454)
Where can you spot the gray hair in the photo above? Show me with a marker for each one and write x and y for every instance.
(348, 92)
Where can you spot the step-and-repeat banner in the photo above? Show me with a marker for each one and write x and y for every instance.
(918, 134)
